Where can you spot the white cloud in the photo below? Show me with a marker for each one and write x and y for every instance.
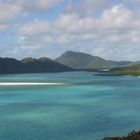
(35, 28)
(122, 52)
(113, 30)
(116, 27)
(3, 27)
(12, 9)
(44, 5)
(117, 20)
(8, 12)
(35, 5)
(87, 7)
(117, 17)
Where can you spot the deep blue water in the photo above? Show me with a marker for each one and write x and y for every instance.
(86, 107)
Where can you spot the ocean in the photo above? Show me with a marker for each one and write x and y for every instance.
(68, 106)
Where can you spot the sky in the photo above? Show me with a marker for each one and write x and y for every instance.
(47, 28)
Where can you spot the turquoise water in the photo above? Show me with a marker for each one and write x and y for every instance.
(85, 107)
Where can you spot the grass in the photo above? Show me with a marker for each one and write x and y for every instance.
(132, 73)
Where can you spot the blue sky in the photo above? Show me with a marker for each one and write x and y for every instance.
(36, 28)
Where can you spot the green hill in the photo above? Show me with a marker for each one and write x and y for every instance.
(80, 60)
(69, 61)
(31, 65)
(129, 70)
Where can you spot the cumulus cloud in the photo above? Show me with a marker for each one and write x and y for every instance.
(117, 19)
(113, 33)
(113, 53)
(43, 5)
(35, 28)
(8, 13)
(35, 5)
(87, 7)
(117, 26)
(11, 9)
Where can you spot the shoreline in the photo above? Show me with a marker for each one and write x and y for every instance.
(27, 84)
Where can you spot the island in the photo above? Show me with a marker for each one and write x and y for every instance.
(132, 70)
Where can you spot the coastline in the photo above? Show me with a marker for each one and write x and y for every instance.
(27, 84)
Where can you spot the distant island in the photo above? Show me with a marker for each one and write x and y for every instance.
(131, 136)
(69, 61)
(133, 70)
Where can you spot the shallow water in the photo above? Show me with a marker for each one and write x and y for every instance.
(82, 107)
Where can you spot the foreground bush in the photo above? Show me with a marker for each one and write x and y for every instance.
(131, 136)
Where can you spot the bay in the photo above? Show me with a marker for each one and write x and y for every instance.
(68, 106)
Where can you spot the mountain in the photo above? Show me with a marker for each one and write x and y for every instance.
(31, 65)
(80, 60)
(10, 65)
(68, 61)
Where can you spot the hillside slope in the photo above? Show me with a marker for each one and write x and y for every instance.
(80, 60)
(129, 70)
(31, 65)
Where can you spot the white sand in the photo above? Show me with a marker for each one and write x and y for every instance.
(27, 84)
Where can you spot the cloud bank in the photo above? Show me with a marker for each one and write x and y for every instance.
(102, 28)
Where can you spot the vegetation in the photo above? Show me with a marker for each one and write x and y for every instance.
(83, 61)
(69, 61)
(133, 70)
(131, 136)
(31, 65)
